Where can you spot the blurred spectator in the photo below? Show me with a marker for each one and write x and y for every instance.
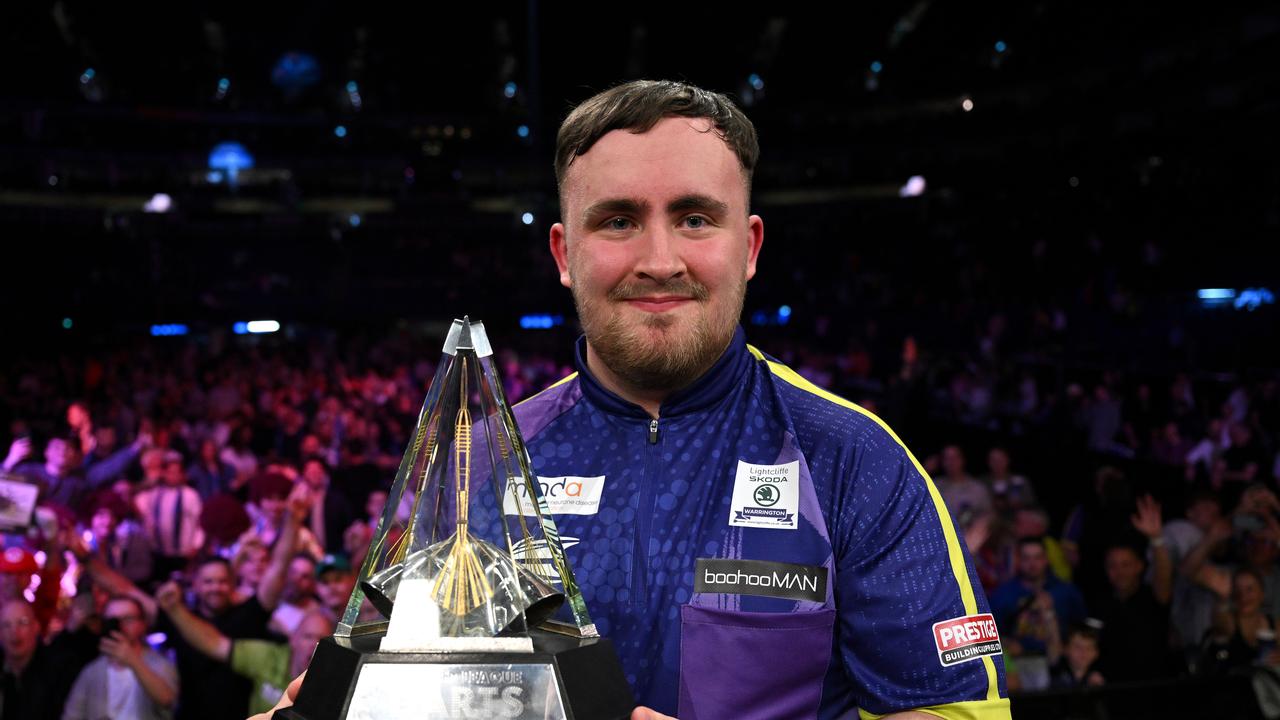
(1095, 525)
(331, 514)
(1010, 491)
(62, 477)
(1135, 615)
(359, 535)
(268, 493)
(1078, 666)
(129, 680)
(335, 579)
(33, 683)
(965, 497)
(171, 513)
(1191, 607)
(210, 474)
(1243, 638)
(299, 596)
(120, 540)
(269, 664)
(1034, 608)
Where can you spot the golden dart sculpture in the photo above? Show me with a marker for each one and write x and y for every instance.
(461, 584)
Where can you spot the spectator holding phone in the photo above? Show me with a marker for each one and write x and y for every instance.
(129, 679)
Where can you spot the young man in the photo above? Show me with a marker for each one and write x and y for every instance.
(713, 463)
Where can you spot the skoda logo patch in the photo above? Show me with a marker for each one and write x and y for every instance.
(766, 495)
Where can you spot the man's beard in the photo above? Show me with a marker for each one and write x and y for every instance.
(673, 357)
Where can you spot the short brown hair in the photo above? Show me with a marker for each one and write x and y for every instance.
(639, 105)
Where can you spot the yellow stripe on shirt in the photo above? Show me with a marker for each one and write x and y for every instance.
(552, 386)
(954, 553)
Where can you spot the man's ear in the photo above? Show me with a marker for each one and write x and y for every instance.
(755, 238)
(560, 251)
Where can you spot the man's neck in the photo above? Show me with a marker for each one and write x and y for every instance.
(649, 400)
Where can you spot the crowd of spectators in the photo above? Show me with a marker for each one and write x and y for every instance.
(204, 510)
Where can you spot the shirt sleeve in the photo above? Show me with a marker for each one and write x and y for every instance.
(76, 707)
(915, 630)
(261, 661)
(110, 467)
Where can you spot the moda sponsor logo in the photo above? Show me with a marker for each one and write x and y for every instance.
(966, 638)
(567, 495)
(762, 578)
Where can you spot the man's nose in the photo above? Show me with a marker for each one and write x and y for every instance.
(660, 258)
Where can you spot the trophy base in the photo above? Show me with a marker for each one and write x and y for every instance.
(564, 678)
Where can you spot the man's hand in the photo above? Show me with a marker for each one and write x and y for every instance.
(119, 648)
(18, 451)
(299, 501)
(169, 596)
(290, 694)
(644, 713)
(1147, 520)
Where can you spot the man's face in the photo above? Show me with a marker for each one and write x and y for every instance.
(18, 629)
(952, 460)
(373, 506)
(1124, 570)
(103, 523)
(132, 624)
(60, 455)
(998, 461)
(250, 570)
(302, 580)
(1204, 513)
(213, 587)
(313, 472)
(311, 630)
(1032, 562)
(1027, 524)
(174, 474)
(334, 588)
(77, 416)
(657, 247)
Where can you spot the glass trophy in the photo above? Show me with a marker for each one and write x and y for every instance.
(465, 606)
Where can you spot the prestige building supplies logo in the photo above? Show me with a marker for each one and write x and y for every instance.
(966, 638)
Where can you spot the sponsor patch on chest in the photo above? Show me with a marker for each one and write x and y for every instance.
(766, 496)
(565, 495)
(760, 577)
(966, 638)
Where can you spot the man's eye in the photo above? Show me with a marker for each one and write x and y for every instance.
(696, 222)
(618, 223)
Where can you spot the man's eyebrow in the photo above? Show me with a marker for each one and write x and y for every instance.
(626, 206)
(697, 202)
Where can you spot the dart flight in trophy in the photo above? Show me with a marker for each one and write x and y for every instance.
(466, 607)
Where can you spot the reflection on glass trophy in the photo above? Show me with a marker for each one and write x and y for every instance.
(466, 606)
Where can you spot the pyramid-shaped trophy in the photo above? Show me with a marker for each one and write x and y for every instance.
(472, 610)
